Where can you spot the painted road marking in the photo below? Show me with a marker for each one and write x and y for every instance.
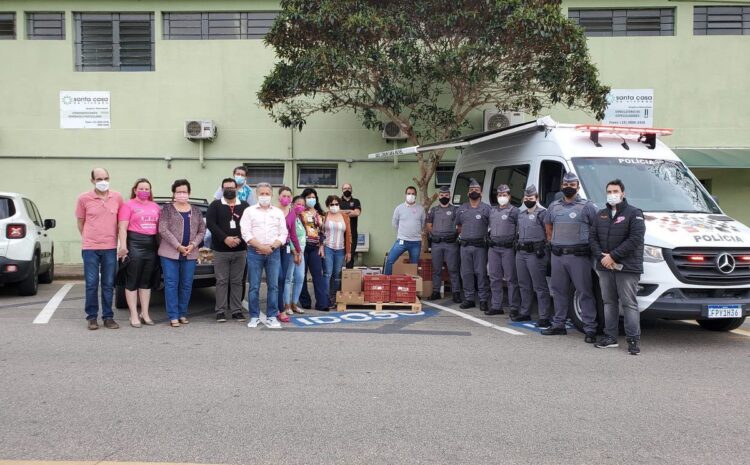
(531, 326)
(486, 324)
(49, 309)
(88, 462)
(741, 332)
(357, 317)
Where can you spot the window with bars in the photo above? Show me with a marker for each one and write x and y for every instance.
(114, 41)
(7, 26)
(721, 20)
(218, 25)
(317, 176)
(624, 22)
(45, 26)
(444, 174)
(272, 174)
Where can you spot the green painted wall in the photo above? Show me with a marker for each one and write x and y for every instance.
(698, 82)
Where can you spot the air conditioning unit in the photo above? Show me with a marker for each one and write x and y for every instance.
(392, 131)
(197, 129)
(495, 119)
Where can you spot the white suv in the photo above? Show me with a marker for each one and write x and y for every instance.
(26, 250)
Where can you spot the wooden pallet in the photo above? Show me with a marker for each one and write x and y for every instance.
(414, 307)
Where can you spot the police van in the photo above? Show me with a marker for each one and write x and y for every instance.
(696, 258)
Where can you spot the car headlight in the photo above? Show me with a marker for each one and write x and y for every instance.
(652, 254)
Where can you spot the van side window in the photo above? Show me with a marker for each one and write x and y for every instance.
(461, 189)
(550, 177)
(515, 177)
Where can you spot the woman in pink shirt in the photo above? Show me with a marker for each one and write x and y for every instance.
(138, 227)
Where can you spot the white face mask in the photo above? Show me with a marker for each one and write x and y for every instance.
(334, 209)
(411, 198)
(613, 199)
(264, 200)
(102, 186)
(502, 201)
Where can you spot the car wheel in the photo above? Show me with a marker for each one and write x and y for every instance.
(723, 324)
(575, 308)
(120, 301)
(48, 276)
(30, 285)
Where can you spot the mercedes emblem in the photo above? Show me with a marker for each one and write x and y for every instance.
(725, 263)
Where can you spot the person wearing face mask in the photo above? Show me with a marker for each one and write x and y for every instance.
(230, 251)
(352, 208)
(264, 229)
(408, 219)
(532, 259)
(244, 191)
(441, 226)
(337, 246)
(181, 229)
(138, 227)
(312, 220)
(616, 238)
(96, 213)
(567, 227)
(501, 256)
(295, 274)
(289, 254)
(473, 222)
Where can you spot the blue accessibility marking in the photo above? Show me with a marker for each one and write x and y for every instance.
(531, 326)
(359, 317)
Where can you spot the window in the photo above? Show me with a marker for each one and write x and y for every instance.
(317, 176)
(32, 212)
(219, 25)
(444, 174)
(272, 174)
(45, 26)
(624, 22)
(114, 41)
(7, 208)
(721, 20)
(461, 189)
(7, 26)
(515, 177)
(550, 178)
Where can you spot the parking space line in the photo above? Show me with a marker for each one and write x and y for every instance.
(486, 324)
(741, 331)
(49, 309)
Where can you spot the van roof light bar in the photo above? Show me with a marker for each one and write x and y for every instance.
(645, 135)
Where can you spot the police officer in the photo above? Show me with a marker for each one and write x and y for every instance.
(616, 241)
(532, 258)
(501, 254)
(567, 225)
(441, 225)
(473, 221)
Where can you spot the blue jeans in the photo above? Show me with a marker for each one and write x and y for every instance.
(295, 279)
(334, 260)
(256, 263)
(287, 261)
(314, 264)
(178, 285)
(413, 247)
(98, 263)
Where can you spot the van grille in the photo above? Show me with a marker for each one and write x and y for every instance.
(701, 265)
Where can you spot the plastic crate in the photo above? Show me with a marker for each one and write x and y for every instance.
(377, 288)
(425, 266)
(403, 289)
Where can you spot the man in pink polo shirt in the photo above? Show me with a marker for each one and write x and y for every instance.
(96, 211)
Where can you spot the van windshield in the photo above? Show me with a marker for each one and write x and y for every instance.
(651, 185)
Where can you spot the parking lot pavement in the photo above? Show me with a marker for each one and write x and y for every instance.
(431, 389)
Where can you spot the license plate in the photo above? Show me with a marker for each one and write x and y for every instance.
(724, 311)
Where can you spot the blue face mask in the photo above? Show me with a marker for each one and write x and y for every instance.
(311, 202)
(240, 180)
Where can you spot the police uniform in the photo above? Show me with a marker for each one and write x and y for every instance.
(444, 246)
(474, 222)
(571, 259)
(531, 262)
(501, 254)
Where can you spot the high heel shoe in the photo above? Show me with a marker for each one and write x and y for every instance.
(135, 325)
(146, 322)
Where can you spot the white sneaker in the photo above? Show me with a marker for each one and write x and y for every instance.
(253, 323)
(273, 323)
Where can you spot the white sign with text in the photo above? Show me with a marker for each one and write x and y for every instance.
(630, 107)
(84, 109)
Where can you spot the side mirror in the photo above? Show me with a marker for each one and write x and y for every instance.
(49, 224)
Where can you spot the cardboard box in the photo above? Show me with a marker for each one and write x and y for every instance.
(427, 288)
(351, 281)
(352, 298)
(404, 267)
(420, 283)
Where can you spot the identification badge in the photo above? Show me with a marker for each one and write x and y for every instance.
(232, 224)
(288, 249)
(401, 242)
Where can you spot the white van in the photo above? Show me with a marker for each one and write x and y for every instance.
(697, 259)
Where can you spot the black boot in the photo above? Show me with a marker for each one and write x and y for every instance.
(634, 346)
(519, 317)
(435, 296)
(554, 331)
(457, 297)
(590, 338)
(467, 304)
(494, 311)
(484, 306)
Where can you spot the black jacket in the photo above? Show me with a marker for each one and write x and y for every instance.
(218, 220)
(621, 236)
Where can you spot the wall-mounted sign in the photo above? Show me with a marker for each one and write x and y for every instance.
(630, 107)
(84, 109)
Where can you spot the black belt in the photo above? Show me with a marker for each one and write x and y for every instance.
(473, 242)
(448, 240)
(530, 246)
(502, 244)
(579, 250)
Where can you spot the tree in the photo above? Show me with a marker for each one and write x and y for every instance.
(426, 64)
